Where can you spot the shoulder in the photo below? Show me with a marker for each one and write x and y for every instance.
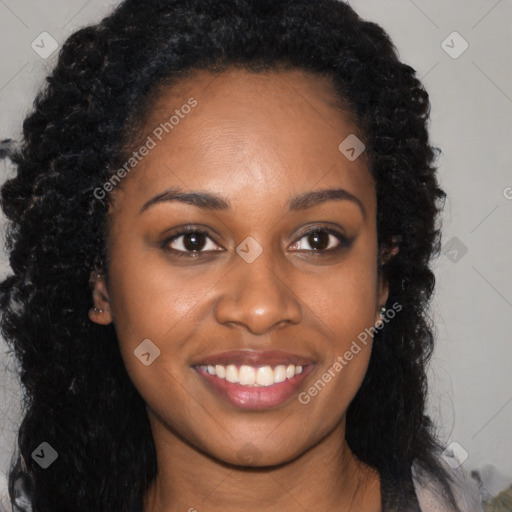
(464, 488)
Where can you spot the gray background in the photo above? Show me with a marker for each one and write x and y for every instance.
(471, 121)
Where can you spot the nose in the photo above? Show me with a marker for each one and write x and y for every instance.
(258, 297)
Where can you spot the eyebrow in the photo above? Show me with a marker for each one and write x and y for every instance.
(209, 201)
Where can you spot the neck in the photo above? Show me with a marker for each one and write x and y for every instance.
(327, 477)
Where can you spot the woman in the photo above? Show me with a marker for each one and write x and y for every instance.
(221, 231)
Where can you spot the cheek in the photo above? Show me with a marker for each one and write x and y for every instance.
(343, 304)
(152, 300)
(152, 315)
(148, 297)
(345, 298)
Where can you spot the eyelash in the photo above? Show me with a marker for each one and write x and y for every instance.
(342, 239)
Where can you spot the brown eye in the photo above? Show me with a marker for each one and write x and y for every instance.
(320, 240)
(192, 241)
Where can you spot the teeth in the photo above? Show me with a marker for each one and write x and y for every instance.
(265, 376)
(254, 376)
(246, 375)
(231, 373)
(220, 371)
(280, 373)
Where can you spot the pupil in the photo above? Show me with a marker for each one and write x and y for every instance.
(319, 239)
(194, 241)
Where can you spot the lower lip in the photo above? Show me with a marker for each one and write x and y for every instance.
(255, 398)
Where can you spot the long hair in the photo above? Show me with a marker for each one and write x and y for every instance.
(77, 394)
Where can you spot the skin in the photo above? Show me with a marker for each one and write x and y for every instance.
(256, 140)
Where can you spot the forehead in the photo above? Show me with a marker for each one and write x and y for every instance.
(270, 133)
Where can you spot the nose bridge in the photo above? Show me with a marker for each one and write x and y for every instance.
(257, 295)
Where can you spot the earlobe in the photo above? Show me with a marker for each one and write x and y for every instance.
(383, 297)
(100, 312)
(386, 254)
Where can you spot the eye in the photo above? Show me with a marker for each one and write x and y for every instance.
(195, 242)
(190, 242)
(321, 240)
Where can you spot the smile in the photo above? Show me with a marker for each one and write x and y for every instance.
(254, 376)
(255, 388)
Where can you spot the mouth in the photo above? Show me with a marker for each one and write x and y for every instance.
(254, 380)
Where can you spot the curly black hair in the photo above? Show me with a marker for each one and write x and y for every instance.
(77, 394)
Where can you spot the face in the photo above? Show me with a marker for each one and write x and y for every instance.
(258, 275)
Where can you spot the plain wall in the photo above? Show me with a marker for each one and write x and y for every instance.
(471, 121)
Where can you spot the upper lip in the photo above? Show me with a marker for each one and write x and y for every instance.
(255, 358)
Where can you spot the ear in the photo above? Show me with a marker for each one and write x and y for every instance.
(100, 312)
(386, 254)
(382, 296)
